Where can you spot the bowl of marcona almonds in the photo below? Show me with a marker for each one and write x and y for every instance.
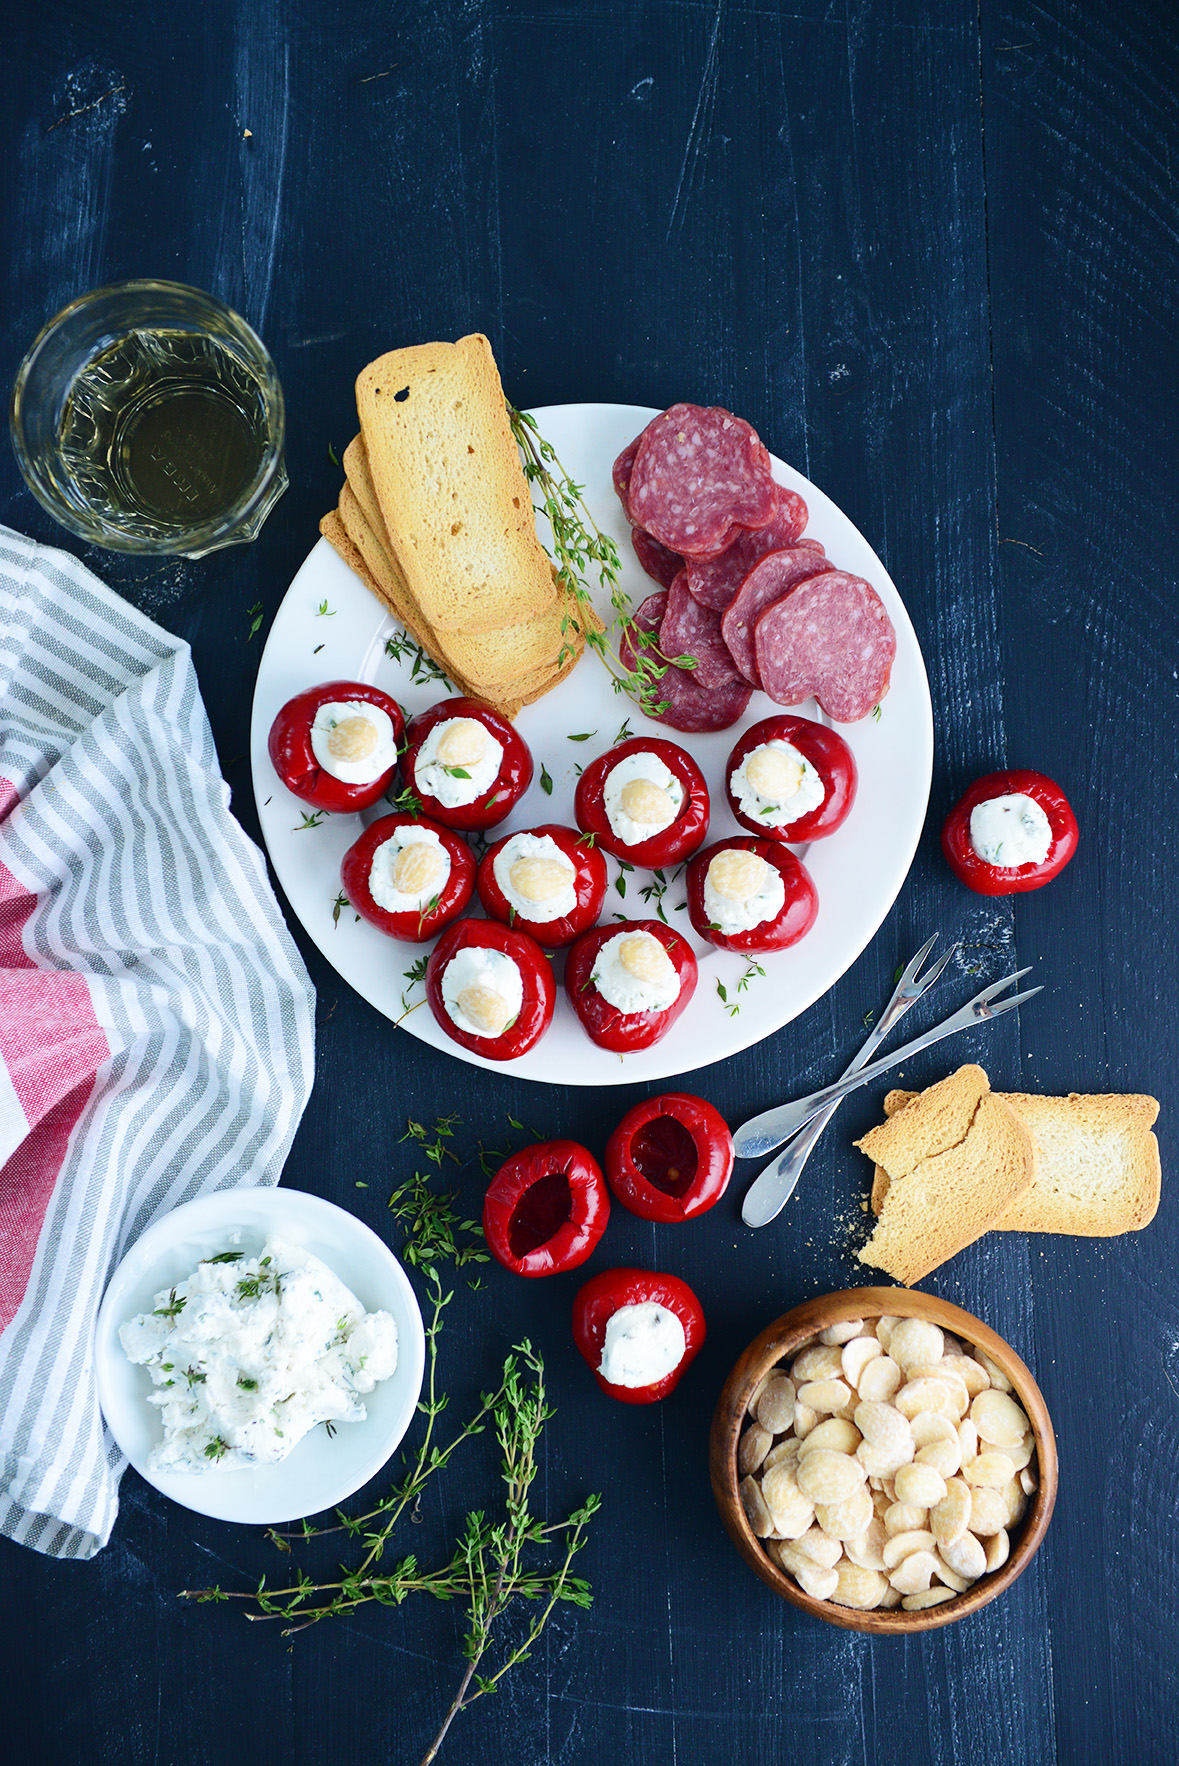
(883, 1460)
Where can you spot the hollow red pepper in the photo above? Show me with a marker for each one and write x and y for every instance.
(605, 1294)
(991, 879)
(440, 902)
(608, 1026)
(505, 1039)
(831, 758)
(527, 875)
(545, 1209)
(670, 1158)
(793, 919)
(505, 790)
(670, 844)
(294, 758)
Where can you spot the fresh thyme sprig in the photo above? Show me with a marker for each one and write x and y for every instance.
(422, 667)
(579, 546)
(732, 1007)
(491, 1566)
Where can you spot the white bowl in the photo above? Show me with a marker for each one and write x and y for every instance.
(322, 1470)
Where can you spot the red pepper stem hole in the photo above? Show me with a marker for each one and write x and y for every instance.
(666, 1155)
(541, 1211)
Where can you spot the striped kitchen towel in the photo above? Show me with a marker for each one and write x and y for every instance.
(156, 1030)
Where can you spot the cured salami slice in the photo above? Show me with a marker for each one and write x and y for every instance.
(698, 473)
(691, 630)
(715, 582)
(689, 706)
(656, 560)
(830, 636)
(623, 467)
(771, 577)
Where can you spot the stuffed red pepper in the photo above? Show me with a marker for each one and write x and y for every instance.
(629, 983)
(408, 877)
(1011, 832)
(750, 895)
(545, 1209)
(465, 763)
(644, 801)
(639, 1331)
(491, 988)
(335, 746)
(549, 881)
(670, 1158)
(790, 778)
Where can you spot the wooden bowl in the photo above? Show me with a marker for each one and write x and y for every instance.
(779, 1342)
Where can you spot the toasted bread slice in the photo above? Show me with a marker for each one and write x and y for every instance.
(514, 661)
(450, 485)
(955, 1162)
(1098, 1172)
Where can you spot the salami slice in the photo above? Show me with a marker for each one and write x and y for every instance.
(689, 706)
(623, 467)
(830, 636)
(715, 582)
(771, 577)
(656, 560)
(691, 630)
(698, 473)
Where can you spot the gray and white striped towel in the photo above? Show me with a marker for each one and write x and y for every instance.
(156, 1028)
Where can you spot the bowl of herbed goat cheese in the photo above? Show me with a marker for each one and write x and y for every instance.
(259, 1355)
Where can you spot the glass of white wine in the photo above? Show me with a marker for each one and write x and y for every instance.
(148, 417)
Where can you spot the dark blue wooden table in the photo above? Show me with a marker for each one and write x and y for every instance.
(928, 249)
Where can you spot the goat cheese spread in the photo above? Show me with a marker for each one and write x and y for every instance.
(641, 797)
(354, 741)
(250, 1353)
(644, 1344)
(1010, 831)
(408, 885)
(458, 762)
(776, 784)
(536, 877)
(633, 973)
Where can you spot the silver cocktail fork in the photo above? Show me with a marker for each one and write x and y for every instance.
(761, 1134)
(772, 1188)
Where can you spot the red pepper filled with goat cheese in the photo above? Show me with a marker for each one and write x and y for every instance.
(644, 801)
(408, 877)
(1011, 832)
(790, 778)
(750, 895)
(549, 881)
(639, 1331)
(466, 764)
(629, 983)
(335, 745)
(490, 988)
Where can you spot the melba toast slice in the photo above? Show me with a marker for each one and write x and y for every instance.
(955, 1160)
(1098, 1172)
(448, 478)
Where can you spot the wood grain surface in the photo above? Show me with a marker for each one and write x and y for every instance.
(928, 249)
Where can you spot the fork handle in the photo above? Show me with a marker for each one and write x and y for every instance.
(761, 1134)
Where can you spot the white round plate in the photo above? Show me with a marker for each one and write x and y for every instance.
(329, 627)
(322, 1470)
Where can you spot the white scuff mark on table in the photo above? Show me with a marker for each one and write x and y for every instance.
(701, 118)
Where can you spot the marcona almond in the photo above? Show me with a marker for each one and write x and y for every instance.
(868, 1549)
(647, 803)
(880, 1379)
(785, 1450)
(966, 1556)
(819, 1548)
(837, 1334)
(644, 957)
(835, 1432)
(754, 1504)
(950, 1517)
(992, 1468)
(540, 879)
(902, 1517)
(819, 1584)
(827, 1397)
(929, 1597)
(486, 1008)
(914, 1573)
(773, 774)
(826, 1476)
(856, 1355)
(882, 1426)
(862, 1589)
(353, 738)
(899, 1546)
(944, 1456)
(752, 1448)
(914, 1341)
(847, 1519)
(997, 1548)
(418, 867)
(998, 1419)
(462, 743)
(821, 1361)
(932, 1425)
(920, 1485)
(774, 1409)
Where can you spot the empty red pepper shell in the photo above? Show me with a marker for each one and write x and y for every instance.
(612, 1289)
(545, 1209)
(670, 1157)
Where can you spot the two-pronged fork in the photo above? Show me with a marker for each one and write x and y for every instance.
(772, 1189)
(761, 1134)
